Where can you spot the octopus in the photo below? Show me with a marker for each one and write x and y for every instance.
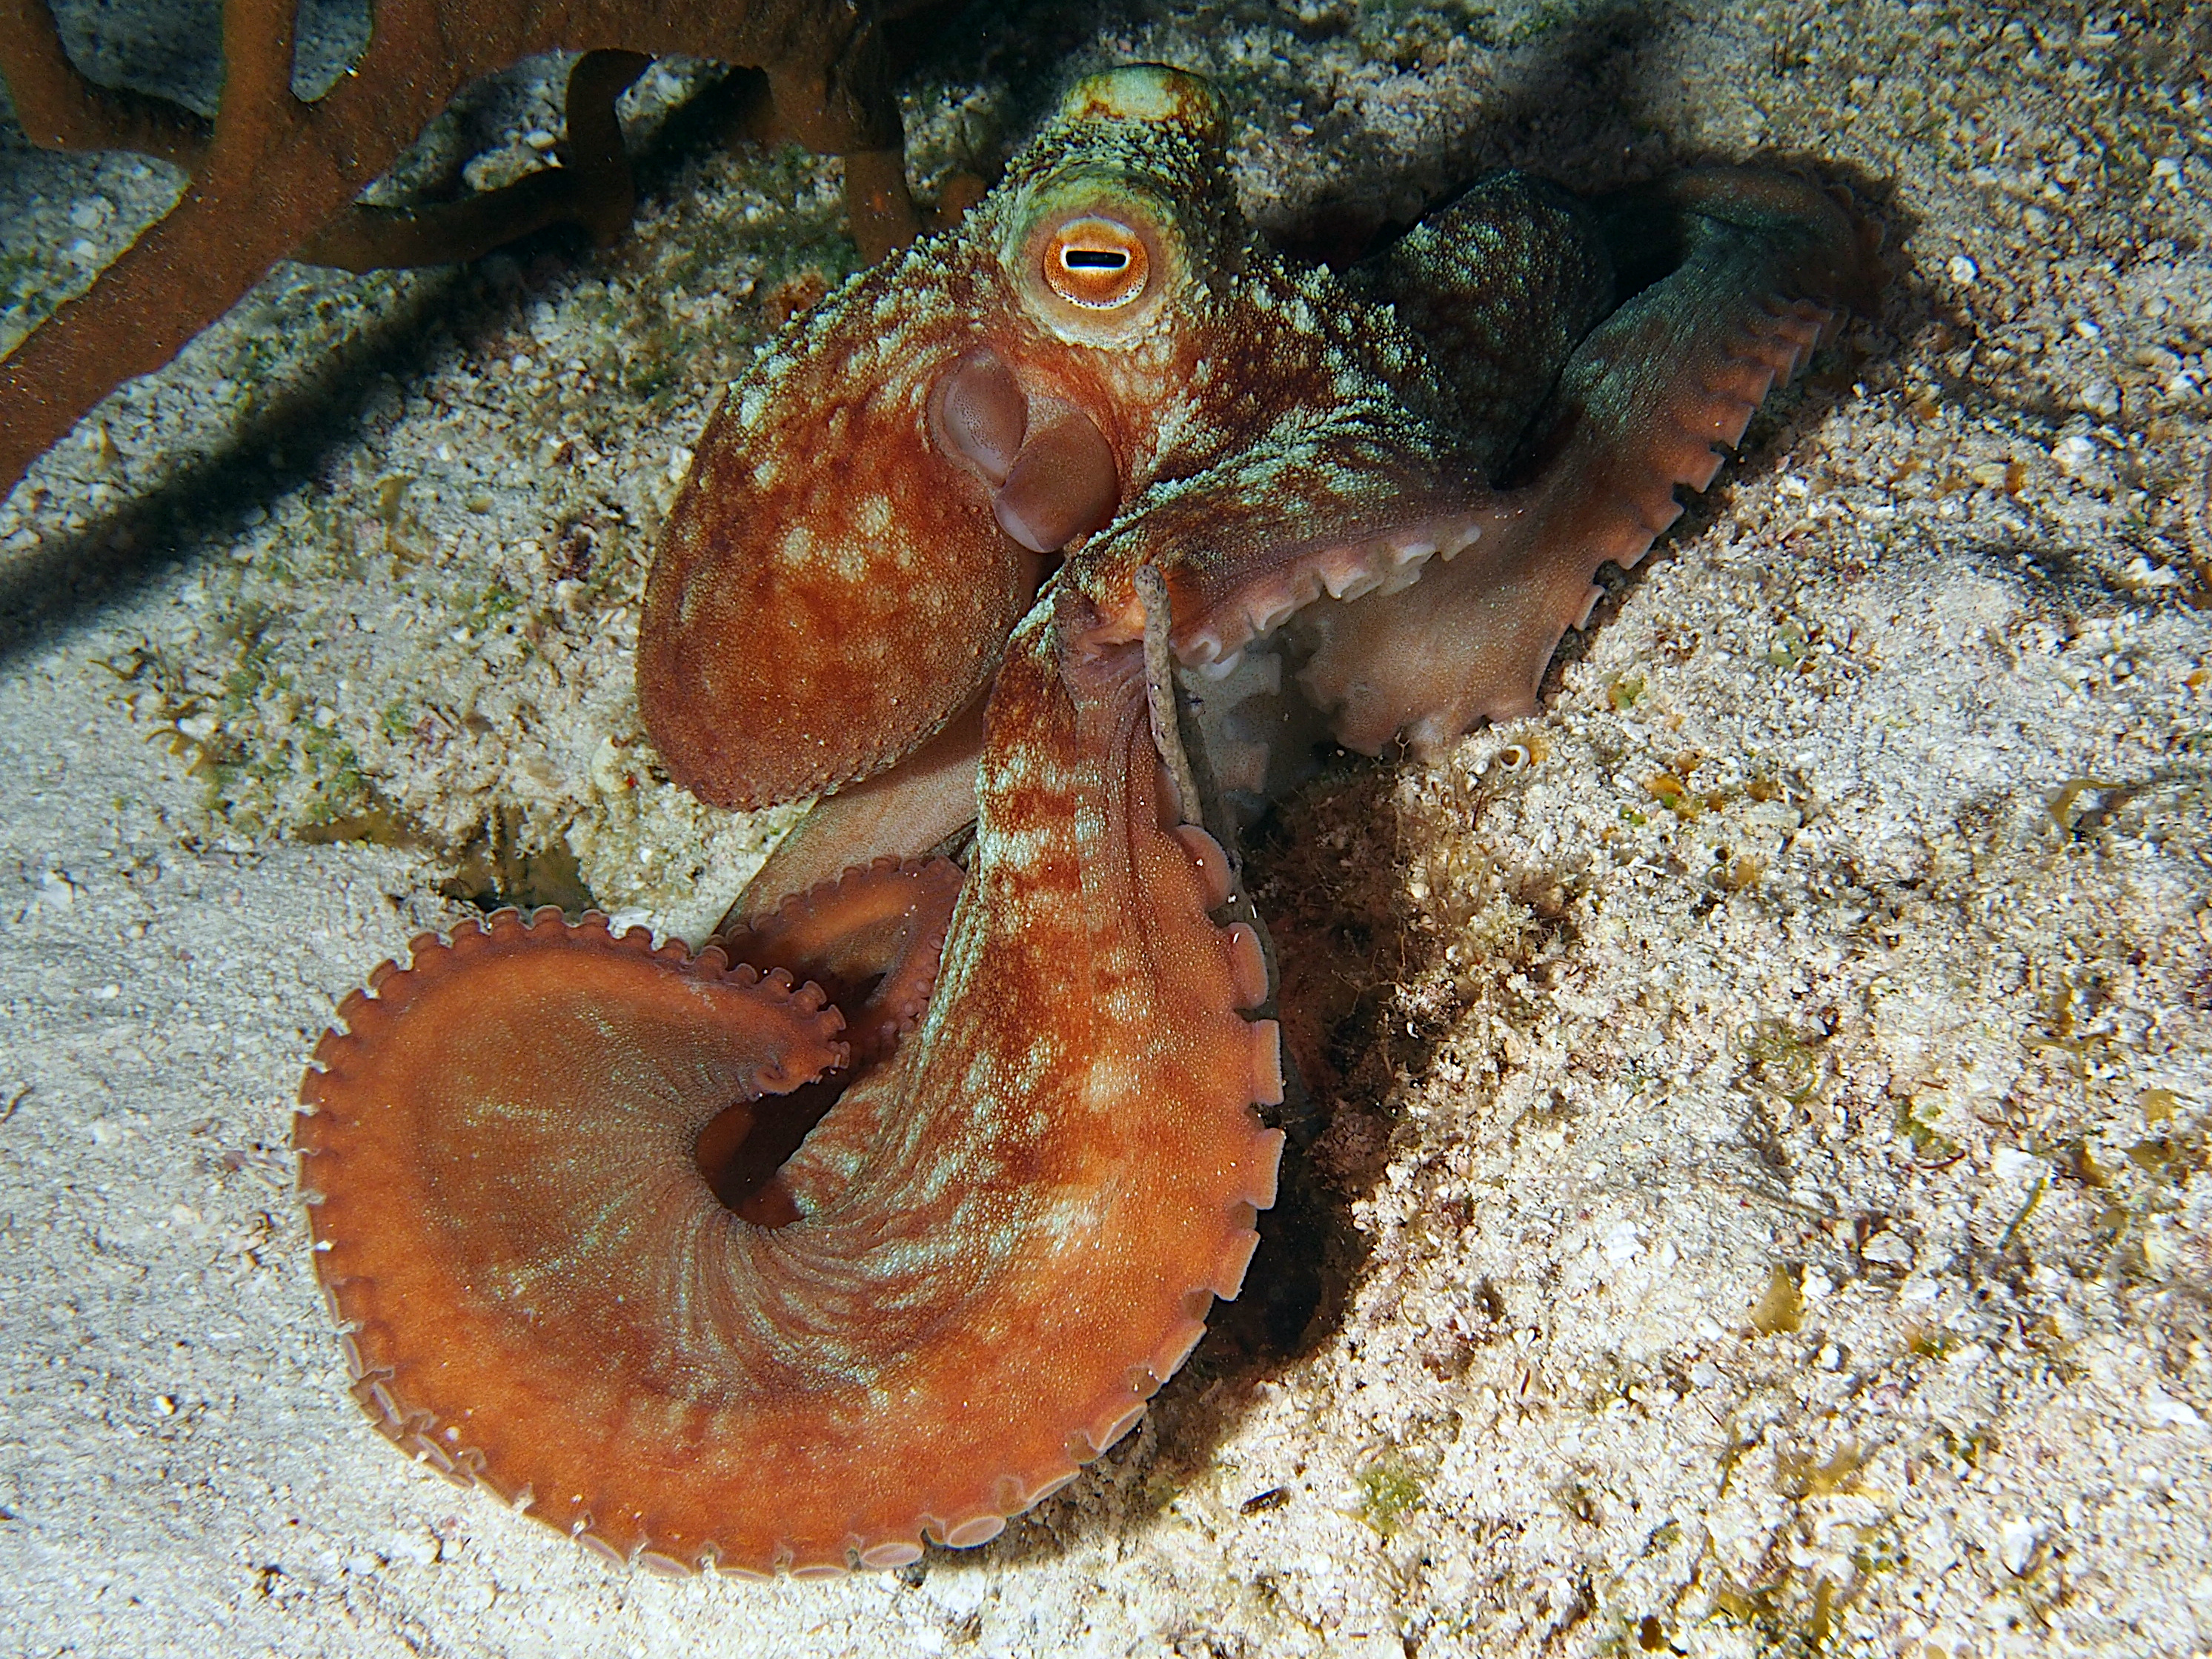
(1046, 543)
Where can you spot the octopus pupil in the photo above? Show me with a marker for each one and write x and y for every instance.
(1085, 258)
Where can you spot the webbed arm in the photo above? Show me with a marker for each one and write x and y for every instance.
(1768, 265)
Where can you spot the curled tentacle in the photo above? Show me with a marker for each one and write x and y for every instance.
(870, 940)
(919, 805)
(497, 1156)
(1010, 1233)
(1076, 1103)
(1768, 265)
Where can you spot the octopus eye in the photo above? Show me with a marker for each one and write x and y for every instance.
(1097, 263)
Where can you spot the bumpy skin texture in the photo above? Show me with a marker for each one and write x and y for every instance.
(1037, 1161)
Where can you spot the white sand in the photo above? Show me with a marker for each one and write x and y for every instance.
(1907, 991)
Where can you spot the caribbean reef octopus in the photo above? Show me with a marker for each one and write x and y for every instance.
(873, 1220)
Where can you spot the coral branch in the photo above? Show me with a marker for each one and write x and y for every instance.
(592, 189)
(61, 110)
(277, 177)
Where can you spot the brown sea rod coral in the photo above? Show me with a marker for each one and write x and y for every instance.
(274, 176)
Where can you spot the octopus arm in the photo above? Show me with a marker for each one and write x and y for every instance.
(871, 938)
(1768, 265)
(492, 1155)
(1354, 502)
(1013, 1231)
(922, 804)
(1065, 1164)
(1500, 285)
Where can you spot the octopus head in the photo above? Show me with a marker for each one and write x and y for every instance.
(884, 490)
(1107, 240)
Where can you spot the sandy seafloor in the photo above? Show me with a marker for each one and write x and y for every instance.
(1761, 1199)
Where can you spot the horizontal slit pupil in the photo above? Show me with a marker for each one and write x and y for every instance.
(1083, 258)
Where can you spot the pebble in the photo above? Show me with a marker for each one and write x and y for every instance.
(2167, 1411)
(1963, 272)
(2016, 1543)
(2072, 453)
(1888, 1247)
